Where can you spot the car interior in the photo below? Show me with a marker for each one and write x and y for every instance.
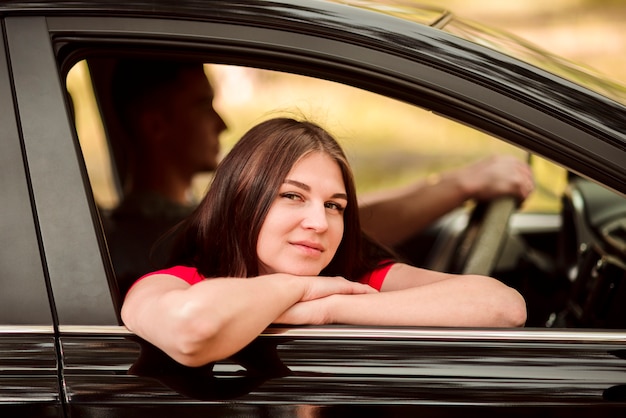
(564, 248)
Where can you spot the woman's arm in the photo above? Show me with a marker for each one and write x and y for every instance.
(215, 318)
(413, 296)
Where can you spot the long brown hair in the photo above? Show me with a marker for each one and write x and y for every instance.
(220, 237)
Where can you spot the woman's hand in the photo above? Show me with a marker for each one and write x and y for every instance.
(312, 312)
(320, 287)
(314, 307)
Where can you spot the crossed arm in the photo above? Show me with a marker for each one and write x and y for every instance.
(214, 319)
(416, 297)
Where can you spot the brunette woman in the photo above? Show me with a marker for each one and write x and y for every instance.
(277, 239)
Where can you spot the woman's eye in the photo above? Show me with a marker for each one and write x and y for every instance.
(291, 196)
(334, 206)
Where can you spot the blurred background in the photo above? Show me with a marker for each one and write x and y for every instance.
(590, 32)
(390, 143)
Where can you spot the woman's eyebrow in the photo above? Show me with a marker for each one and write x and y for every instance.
(298, 184)
(308, 189)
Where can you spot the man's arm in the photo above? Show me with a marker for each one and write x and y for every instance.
(392, 216)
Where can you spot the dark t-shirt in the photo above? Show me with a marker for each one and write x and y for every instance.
(136, 233)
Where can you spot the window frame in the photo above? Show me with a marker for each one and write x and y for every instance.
(24, 299)
(65, 213)
(74, 38)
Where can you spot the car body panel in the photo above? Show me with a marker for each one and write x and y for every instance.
(339, 367)
(29, 380)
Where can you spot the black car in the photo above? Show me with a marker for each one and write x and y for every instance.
(63, 349)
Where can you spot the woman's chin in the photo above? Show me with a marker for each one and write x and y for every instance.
(304, 271)
(296, 269)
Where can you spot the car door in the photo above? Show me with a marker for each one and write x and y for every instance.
(107, 371)
(29, 373)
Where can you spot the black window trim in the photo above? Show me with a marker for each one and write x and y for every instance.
(421, 84)
(256, 44)
(69, 245)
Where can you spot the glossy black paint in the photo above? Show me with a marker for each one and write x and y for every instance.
(87, 365)
(336, 373)
(29, 381)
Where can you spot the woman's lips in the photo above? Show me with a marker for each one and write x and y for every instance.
(309, 247)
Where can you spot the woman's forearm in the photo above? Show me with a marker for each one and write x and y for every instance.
(210, 320)
(213, 319)
(462, 301)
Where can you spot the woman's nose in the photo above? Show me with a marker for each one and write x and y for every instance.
(315, 218)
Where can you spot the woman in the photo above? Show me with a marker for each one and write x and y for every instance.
(278, 235)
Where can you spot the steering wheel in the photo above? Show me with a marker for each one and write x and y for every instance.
(483, 238)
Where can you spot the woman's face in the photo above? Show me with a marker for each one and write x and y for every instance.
(304, 225)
